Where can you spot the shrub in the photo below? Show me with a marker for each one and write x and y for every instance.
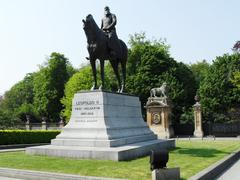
(26, 137)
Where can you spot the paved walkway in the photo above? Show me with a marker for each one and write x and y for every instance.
(11, 150)
(20, 174)
(233, 173)
(6, 178)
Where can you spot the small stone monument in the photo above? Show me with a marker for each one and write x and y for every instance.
(27, 124)
(44, 123)
(158, 112)
(61, 122)
(198, 132)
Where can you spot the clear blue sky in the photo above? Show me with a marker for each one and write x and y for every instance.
(31, 29)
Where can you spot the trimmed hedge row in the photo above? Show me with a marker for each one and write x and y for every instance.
(26, 137)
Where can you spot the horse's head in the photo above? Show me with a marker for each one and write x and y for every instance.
(87, 23)
(90, 28)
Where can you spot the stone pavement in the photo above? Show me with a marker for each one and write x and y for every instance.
(41, 175)
(11, 150)
(6, 178)
(233, 173)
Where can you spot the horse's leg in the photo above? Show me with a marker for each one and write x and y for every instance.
(123, 64)
(102, 74)
(115, 69)
(151, 93)
(94, 71)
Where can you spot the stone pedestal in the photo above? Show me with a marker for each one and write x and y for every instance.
(158, 117)
(198, 132)
(61, 123)
(27, 125)
(104, 125)
(166, 174)
(44, 125)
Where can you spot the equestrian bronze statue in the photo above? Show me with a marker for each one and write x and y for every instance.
(103, 44)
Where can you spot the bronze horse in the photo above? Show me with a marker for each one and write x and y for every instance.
(98, 49)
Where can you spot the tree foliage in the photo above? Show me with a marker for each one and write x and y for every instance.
(236, 79)
(18, 97)
(49, 86)
(8, 120)
(39, 93)
(149, 65)
(81, 80)
(220, 97)
(199, 70)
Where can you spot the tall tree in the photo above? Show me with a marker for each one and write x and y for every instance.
(150, 64)
(1, 98)
(21, 93)
(236, 79)
(220, 97)
(49, 86)
(8, 120)
(200, 70)
(81, 80)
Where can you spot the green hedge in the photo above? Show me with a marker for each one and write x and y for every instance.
(26, 137)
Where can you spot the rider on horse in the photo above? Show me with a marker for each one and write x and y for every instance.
(108, 24)
(103, 44)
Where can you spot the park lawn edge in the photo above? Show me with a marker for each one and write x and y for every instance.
(192, 157)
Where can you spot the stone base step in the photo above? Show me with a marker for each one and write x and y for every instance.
(101, 143)
(127, 152)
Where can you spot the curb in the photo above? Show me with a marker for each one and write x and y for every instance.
(206, 138)
(217, 168)
(11, 150)
(40, 175)
(14, 146)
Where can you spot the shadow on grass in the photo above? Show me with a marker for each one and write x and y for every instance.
(200, 152)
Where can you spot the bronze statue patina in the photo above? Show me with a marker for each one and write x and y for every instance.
(108, 24)
(103, 44)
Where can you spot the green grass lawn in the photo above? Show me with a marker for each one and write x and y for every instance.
(190, 156)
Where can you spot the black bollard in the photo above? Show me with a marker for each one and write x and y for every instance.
(159, 159)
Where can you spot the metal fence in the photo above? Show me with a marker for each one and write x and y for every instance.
(215, 129)
(36, 126)
(44, 126)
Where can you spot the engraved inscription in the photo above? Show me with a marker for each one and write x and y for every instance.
(85, 103)
(87, 109)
